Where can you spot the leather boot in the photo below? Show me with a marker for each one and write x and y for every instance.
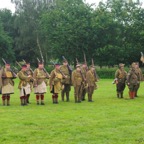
(67, 96)
(62, 95)
(22, 100)
(88, 97)
(136, 94)
(76, 99)
(118, 95)
(56, 98)
(121, 94)
(42, 99)
(28, 98)
(25, 100)
(53, 98)
(8, 100)
(133, 95)
(3, 99)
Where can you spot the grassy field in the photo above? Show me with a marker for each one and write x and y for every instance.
(107, 120)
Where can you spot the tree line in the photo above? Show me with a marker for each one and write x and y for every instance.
(110, 33)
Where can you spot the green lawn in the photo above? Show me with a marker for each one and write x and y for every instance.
(107, 120)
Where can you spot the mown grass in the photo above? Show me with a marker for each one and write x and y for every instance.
(107, 120)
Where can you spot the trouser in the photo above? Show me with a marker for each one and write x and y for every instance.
(120, 88)
(77, 93)
(66, 91)
(137, 87)
(90, 93)
(132, 90)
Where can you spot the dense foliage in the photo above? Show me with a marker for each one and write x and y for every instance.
(111, 33)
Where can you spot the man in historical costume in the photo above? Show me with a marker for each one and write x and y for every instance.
(139, 73)
(84, 70)
(77, 80)
(55, 83)
(91, 80)
(120, 80)
(40, 83)
(7, 83)
(24, 85)
(66, 81)
(132, 80)
(29, 72)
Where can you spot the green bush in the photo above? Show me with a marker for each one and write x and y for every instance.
(108, 72)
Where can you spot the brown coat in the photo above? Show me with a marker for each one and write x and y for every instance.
(90, 78)
(133, 78)
(65, 71)
(76, 78)
(39, 76)
(121, 75)
(55, 81)
(7, 77)
(24, 79)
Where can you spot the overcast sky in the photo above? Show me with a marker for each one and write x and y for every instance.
(7, 3)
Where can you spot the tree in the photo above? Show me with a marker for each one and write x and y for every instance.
(6, 45)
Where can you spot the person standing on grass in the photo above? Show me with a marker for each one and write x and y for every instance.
(91, 80)
(29, 72)
(7, 83)
(24, 85)
(40, 84)
(55, 83)
(84, 70)
(77, 80)
(133, 79)
(139, 73)
(120, 80)
(66, 81)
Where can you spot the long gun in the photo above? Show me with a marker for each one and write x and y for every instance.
(95, 74)
(21, 66)
(30, 67)
(63, 75)
(142, 57)
(83, 77)
(13, 73)
(85, 61)
(47, 74)
(68, 66)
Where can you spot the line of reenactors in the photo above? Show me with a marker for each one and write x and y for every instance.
(59, 80)
(132, 79)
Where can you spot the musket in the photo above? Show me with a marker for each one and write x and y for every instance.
(95, 74)
(63, 75)
(13, 73)
(47, 74)
(142, 57)
(68, 66)
(30, 67)
(85, 61)
(21, 66)
(83, 77)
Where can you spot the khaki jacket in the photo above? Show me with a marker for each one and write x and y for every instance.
(121, 76)
(39, 76)
(65, 71)
(76, 78)
(90, 78)
(24, 79)
(7, 77)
